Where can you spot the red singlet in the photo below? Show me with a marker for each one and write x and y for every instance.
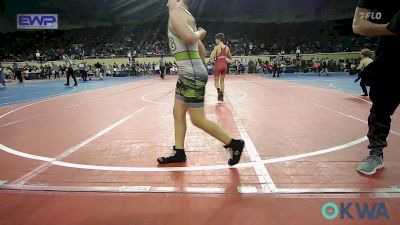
(221, 65)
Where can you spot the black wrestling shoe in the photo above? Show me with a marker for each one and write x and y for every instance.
(177, 156)
(222, 96)
(219, 94)
(364, 95)
(235, 148)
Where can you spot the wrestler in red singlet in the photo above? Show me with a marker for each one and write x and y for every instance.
(221, 53)
(221, 65)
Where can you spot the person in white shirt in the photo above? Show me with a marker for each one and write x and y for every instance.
(7, 73)
(365, 61)
(55, 70)
(298, 53)
(157, 69)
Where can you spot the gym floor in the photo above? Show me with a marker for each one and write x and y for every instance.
(87, 154)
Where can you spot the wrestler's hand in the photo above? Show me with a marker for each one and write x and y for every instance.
(202, 33)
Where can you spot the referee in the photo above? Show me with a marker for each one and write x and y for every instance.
(70, 71)
(380, 18)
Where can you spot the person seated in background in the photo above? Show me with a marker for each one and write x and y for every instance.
(174, 69)
(324, 66)
(352, 68)
(8, 73)
(157, 69)
(102, 72)
(55, 70)
(18, 74)
(108, 71)
(235, 67)
(276, 68)
(241, 68)
(82, 71)
(251, 67)
(2, 76)
(210, 68)
(90, 72)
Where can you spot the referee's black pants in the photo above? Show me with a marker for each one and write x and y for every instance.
(70, 72)
(363, 85)
(385, 96)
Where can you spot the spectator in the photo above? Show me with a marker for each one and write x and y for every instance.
(2, 76)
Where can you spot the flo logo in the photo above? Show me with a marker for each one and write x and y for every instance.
(371, 15)
(351, 211)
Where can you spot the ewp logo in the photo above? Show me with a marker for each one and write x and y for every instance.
(374, 211)
(37, 21)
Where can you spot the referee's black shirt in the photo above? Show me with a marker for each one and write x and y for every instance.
(383, 11)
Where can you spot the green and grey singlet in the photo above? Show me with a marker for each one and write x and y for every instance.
(192, 72)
